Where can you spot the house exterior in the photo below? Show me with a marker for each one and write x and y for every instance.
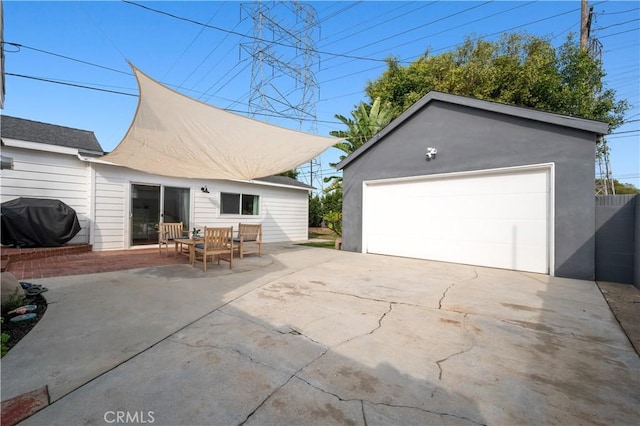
(119, 208)
(462, 180)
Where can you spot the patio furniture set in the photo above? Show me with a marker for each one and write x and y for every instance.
(215, 243)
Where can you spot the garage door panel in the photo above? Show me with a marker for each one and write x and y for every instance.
(499, 220)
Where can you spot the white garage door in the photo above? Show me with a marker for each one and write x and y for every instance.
(494, 218)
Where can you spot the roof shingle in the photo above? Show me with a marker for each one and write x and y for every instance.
(35, 131)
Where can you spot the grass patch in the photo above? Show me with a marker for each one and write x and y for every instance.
(321, 244)
(322, 233)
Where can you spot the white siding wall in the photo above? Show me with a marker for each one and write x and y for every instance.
(283, 211)
(109, 211)
(38, 174)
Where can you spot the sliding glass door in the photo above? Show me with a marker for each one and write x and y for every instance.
(145, 214)
(176, 205)
(152, 204)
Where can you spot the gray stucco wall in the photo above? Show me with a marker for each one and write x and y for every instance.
(474, 139)
(636, 257)
(616, 238)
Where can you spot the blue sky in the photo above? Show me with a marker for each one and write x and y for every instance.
(215, 65)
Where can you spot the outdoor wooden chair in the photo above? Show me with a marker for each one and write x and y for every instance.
(216, 242)
(167, 233)
(249, 234)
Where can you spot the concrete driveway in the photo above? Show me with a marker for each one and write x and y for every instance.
(316, 336)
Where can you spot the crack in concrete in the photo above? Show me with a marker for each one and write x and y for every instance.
(364, 414)
(291, 330)
(295, 374)
(372, 299)
(264, 401)
(225, 349)
(440, 361)
(444, 294)
(385, 404)
(380, 319)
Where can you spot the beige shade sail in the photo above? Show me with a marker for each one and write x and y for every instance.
(174, 135)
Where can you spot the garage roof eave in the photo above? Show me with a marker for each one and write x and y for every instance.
(597, 127)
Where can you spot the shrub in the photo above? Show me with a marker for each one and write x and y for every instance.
(334, 222)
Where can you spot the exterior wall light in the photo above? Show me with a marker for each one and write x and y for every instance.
(204, 189)
(431, 153)
(6, 163)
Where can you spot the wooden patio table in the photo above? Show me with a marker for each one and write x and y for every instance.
(189, 242)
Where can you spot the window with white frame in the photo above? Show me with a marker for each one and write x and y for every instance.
(243, 204)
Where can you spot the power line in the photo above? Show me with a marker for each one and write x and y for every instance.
(419, 26)
(368, 22)
(444, 31)
(21, 46)
(621, 32)
(191, 44)
(207, 57)
(193, 21)
(616, 25)
(70, 84)
(338, 12)
(619, 12)
(84, 86)
(459, 44)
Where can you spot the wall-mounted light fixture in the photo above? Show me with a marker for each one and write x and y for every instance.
(204, 189)
(6, 163)
(431, 153)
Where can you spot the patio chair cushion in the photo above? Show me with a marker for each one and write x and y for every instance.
(199, 246)
(237, 240)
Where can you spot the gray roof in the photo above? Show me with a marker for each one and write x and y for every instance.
(596, 127)
(35, 131)
(284, 180)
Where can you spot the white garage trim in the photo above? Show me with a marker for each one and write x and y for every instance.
(537, 239)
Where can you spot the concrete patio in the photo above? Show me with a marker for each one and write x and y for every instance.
(315, 336)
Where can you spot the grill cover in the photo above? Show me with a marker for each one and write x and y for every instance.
(35, 222)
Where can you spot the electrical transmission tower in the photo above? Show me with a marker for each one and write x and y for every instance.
(604, 180)
(284, 55)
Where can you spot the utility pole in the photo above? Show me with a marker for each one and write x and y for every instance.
(585, 23)
(604, 180)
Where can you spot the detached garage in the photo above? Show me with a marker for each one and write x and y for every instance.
(460, 180)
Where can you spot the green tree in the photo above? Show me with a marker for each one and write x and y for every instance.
(315, 211)
(293, 174)
(623, 188)
(332, 201)
(366, 121)
(517, 69)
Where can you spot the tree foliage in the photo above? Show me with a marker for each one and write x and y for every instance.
(622, 187)
(293, 174)
(517, 69)
(366, 121)
(319, 206)
(315, 211)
